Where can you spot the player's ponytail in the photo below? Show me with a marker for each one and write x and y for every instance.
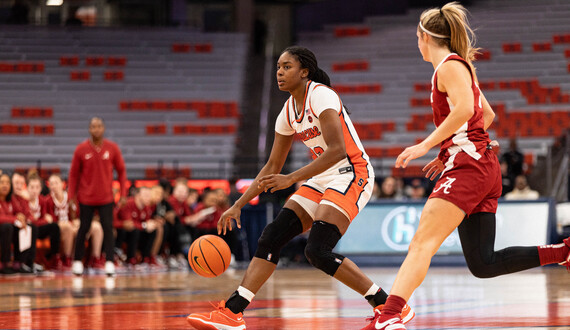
(309, 61)
(449, 27)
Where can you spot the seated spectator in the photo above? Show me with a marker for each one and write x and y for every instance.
(521, 190)
(135, 226)
(514, 159)
(19, 186)
(388, 188)
(44, 221)
(164, 213)
(15, 212)
(508, 181)
(66, 216)
(376, 191)
(416, 190)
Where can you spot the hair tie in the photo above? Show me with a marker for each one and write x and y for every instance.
(433, 34)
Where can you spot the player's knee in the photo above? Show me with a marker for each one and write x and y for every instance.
(277, 234)
(478, 267)
(322, 240)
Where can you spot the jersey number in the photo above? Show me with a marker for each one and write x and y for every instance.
(316, 152)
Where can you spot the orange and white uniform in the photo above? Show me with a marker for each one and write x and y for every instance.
(347, 185)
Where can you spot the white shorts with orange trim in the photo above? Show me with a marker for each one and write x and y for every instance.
(347, 190)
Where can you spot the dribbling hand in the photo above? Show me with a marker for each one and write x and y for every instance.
(226, 219)
(274, 182)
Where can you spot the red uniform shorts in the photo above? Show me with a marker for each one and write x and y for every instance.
(472, 185)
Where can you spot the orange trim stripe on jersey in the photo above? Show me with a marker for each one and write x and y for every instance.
(339, 99)
(304, 102)
(288, 114)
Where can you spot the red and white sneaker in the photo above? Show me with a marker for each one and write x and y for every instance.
(406, 316)
(220, 319)
(393, 323)
(567, 261)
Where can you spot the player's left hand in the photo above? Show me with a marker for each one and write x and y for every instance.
(433, 168)
(274, 182)
(410, 153)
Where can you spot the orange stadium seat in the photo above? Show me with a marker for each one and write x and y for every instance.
(360, 88)
(14, 129)
(44, 129)
(80, 75)
(113, 75)
(351, 66)
(22, 67)
(561, 38)
(515, 47)
(422, 87)
(483, 55)
(340, 32)
(153, 173)
(94, 61)
(180, 48)
(420, 102)
(32, 112)
(203, 48)
(411, 171)
(542, 46)
(159, 129)
(116, 61)
(69, 60)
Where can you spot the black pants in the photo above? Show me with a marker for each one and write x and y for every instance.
(106, 218)
(172, 234)
(477, 235)
(6, 232)
(131, 238)
(146, 240)
(52, 231)
(28, 256)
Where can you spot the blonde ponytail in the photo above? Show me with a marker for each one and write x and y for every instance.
(450, 28)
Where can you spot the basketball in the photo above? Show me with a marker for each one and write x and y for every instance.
(209, 256)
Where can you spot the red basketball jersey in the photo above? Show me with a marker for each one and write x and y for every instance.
(471, 137)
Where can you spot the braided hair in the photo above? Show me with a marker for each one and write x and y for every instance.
(309, 61)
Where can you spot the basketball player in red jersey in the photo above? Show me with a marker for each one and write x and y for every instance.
(466, 194)
(91, 184)
(340, 180)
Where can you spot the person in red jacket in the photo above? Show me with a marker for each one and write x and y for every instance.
(65, 214)
(15, 213)
(135, 225)
(90, 184)
(44, 221)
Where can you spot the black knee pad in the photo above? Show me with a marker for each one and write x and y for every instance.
(278, 233)
(322, 240)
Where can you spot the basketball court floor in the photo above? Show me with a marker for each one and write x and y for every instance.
(302, 298)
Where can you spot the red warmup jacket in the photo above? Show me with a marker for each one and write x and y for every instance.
(130, 211)
(91, 173)
(181, 208)
(8, 210)
(39, 211)
(60, 211)
(211, 220)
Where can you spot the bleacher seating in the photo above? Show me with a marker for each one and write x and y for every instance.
(523, 71)
(151, 94)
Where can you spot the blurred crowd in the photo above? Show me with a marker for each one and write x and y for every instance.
(153, 228)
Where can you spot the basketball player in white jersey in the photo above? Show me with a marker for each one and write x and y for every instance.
(339, 184)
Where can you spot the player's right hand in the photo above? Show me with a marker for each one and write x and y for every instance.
(226, 219)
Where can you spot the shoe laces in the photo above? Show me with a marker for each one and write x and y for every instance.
(219, 306)
(373, 317)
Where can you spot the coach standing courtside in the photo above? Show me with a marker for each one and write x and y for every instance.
(90, 184)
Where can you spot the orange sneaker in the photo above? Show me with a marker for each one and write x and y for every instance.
(406, 316)
(220, 319)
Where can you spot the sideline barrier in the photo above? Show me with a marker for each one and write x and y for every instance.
(381, 233)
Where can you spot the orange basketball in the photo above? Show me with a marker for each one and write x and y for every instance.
(209, 256)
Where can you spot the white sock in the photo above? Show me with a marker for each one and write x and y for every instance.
(372, 291)
(245, 293)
